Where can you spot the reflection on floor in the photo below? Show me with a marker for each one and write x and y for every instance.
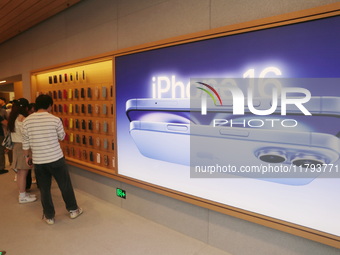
(102, 229)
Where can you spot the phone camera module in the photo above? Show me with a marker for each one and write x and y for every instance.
(272, 156)
(308, 161)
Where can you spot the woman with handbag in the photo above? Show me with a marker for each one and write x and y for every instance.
(18, 114)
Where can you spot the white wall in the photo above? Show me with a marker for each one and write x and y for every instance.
(98, 26)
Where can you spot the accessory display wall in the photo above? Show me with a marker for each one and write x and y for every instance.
(83, 99)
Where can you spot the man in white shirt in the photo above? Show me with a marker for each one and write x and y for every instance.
(41, 133)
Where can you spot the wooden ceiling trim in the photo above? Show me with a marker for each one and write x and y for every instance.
(10, 5)
(3, 3)
(38, 12)
(19, 13)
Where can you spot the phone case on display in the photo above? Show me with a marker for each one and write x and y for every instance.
(60, 94)
(89, 108)
(90, 140)
(97, 125)
(76, 123)
(104, 110)
(66, 138)
(84, 140)
(98, 158)
(65, 122)
(105, 127)
(82, 108)
(67, 150)
(70, 93)
(84, 154)
(104, 94)
(70, 108)
(91, 156)
(90, 125)
(71, 76)
(71, 138)
(76, 93)
(76, 108)
(60, 78)
(96, 108)
(98, 142)
(105, 144)
(106, 160)
(96, 92)
(83, 124)
(77, 138)
(82, 93)
(50, 81)
(60, 108)
(65, 77)
(89, 92)
(54, 94)
(55, 79)
(65, 108)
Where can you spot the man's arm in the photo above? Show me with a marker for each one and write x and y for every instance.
(60, 130)
(25, 141)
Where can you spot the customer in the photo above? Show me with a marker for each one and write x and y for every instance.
(3, 125)
(3, 108)
(31, 173)
(8, 108)
(18, 113)
(3, 128)
(3, 102)
(10, 152)
(41, 133)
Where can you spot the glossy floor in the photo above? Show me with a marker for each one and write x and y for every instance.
(102, 229)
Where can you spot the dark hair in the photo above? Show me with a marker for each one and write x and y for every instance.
(20, 106)
(31, 107)
(3, 99)
(43, 102)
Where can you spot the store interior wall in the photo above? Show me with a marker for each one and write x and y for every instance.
(97, 26)
(18, 91)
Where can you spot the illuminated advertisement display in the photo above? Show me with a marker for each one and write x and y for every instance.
(249, 120)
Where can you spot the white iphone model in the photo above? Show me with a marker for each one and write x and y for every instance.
(247, 151)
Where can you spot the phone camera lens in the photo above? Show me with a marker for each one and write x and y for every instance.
(308, 161)
(272, 156)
